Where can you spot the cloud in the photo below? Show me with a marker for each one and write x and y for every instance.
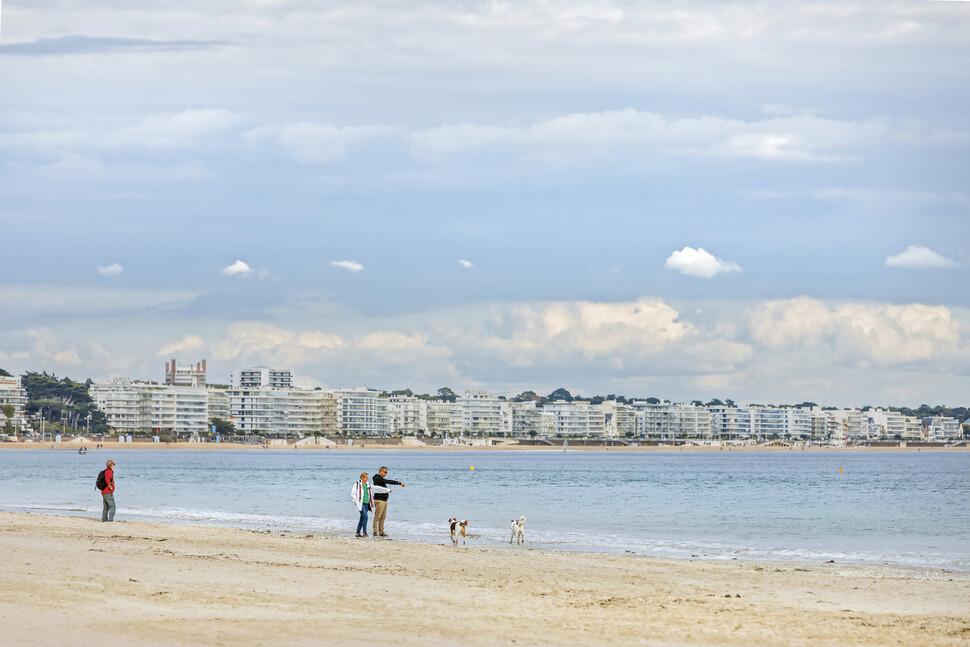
(46, 346)
(238, 268)
(631, 133)
(466, 264)
(111, 270)
(858, 333)
(699, 262)
(189, 343)
(915, 257)
(350, 266)
(562, 332)
(370, 352)
(67, 45)
(181, 129)
(316, 143)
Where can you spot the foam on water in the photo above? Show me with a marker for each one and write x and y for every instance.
(885, 508)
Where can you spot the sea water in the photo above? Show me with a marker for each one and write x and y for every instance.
(895, 507)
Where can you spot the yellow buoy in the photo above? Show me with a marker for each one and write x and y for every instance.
(840, 470)
(473, 468)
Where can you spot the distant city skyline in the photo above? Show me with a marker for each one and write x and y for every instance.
(766, 202)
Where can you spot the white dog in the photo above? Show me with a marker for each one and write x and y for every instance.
(518, 527)
(458, 528)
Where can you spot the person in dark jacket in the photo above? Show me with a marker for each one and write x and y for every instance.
(381, 492)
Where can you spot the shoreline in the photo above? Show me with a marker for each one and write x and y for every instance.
(111, 445)
(161, 584)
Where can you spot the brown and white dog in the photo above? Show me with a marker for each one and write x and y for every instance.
(458, 528)
(518, 528)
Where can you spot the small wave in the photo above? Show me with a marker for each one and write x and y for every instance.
(433, 532)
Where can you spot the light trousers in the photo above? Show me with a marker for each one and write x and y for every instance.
(380, 511)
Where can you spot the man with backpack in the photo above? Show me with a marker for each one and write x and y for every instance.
(106, 483)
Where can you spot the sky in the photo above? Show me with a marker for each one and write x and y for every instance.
(763, 201)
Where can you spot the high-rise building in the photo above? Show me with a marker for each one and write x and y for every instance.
(362, 412)
(184, 375)
(262, 377)
(12, 393)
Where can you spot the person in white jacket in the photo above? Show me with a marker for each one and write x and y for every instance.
(362, 494)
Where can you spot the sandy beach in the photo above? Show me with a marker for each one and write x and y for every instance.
(76, 581)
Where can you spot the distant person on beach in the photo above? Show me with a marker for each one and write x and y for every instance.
(108, 493)
(363, 498)
(380, 500)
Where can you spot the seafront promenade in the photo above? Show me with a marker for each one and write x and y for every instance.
(365, 443)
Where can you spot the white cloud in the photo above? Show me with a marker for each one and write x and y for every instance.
(699, 262)
(260, 342)
(559, 333)
(181, 129)
(238, 268)
(111, 270)
(46, 346)
(350, 266)
(858, 333)
(631, 133)
(916, 257)
(315, 143)
(188, 343)
(466, 264)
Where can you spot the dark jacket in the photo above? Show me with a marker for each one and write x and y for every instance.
(383, 482)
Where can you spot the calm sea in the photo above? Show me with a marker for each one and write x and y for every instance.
(891, 507)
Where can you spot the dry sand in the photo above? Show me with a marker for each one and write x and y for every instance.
(76, 581)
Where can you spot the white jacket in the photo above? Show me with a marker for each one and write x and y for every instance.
(357, 493)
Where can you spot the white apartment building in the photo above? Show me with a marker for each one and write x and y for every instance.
(13, 393)
(218, 403)
(407, 415)
(311, 413)
(444, 419)
(260, 411)
(262, 377)
(892, 425)
(362, 412)
(481, 413)
(283, 412)
(942, 429)
(139, 407)
(666, 421)
(179, 409)
(731, 423)
(846, 425)
(621, 420)
(126, 405)
(520, 419)
(574, 419)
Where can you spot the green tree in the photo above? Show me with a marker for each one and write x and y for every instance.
(223, 427)
(62, 400)
(3, 373)
(560, 394)
(526, 396)
(446, 394)
(8, 411)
